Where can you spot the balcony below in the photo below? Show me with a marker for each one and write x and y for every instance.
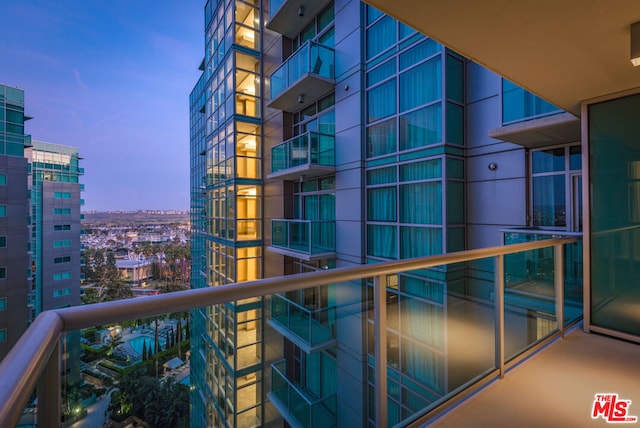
(310, 155)
(304, 77)
(297, 407)
(565, 376)
(559, 128)
(304, 239)
(289, 17)
(310, 329)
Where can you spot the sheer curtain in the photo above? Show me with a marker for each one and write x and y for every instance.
(381, 204)
(421, 128)
(421, 84)
(381, 241)
(420, 241)
(421, 203)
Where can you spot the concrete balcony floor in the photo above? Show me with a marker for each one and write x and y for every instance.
(556, 386)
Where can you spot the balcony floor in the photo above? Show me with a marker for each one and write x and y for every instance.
(556, 386)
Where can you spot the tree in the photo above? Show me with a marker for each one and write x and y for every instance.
(144, 350)
(116, 290)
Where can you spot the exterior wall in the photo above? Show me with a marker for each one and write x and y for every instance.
(488, 210)
(15, 256)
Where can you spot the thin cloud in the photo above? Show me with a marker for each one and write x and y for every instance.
(83, 86)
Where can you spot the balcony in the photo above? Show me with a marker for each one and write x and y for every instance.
(304, 239)
(296, 406)
(309, 328)
(474, 337)
(307, 75)
(310, 154)
(289, 17)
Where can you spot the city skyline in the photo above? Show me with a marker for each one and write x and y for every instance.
(112, 79)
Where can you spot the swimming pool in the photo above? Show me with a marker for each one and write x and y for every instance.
(136, 343)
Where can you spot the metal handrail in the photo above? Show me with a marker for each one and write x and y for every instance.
(21, 368)
(533, 231)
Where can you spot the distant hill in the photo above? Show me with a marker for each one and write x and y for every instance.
(142, 217)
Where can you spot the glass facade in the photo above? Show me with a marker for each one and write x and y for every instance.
(226, 198)
(414, 199)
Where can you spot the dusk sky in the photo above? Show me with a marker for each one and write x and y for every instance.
(111, 77)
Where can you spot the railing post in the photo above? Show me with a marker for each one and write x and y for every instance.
(499, 322)
(49, 392)
(380, 331)
(558, 285)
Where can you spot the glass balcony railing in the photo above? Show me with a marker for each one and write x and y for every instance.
(521, 268)
(296, 406)
(416, 333)
(307, 75)
(313, 326)
(306, 152)
(308, 237)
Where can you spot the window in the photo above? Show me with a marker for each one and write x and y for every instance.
(62, 243)
(62, 292)
(519, 104)
(60, 227)
(3, 304)
(3, 335)
(3, 241)
(62, 195)
(3, 210)
(65, 259)
(3, 272)
(3, 179)
(61, 276)
(556, 188)
(61, 211)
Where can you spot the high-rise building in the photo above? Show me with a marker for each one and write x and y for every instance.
(372, 143)
(55, 236)
(15, 278)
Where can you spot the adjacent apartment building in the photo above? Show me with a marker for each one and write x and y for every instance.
(326, 134)
(55, 236)
(15, 259)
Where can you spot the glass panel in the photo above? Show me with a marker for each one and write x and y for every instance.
(455, 79)
(381, 36)
(381, 241)
(548, 160)
(381, 204)
(381, 138)
(421, 203)
(422, 170)
(381, 175)
(381, 101)
(530, 313)
(455, 124)
(549, 204)
(421, 128)
(420, 85)
(519, 104)
(614, 162)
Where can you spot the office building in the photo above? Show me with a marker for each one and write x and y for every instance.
(55, 236)
(15, 278)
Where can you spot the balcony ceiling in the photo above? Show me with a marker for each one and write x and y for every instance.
(564, 51)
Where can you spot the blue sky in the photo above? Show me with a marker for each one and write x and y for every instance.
(111, 77)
